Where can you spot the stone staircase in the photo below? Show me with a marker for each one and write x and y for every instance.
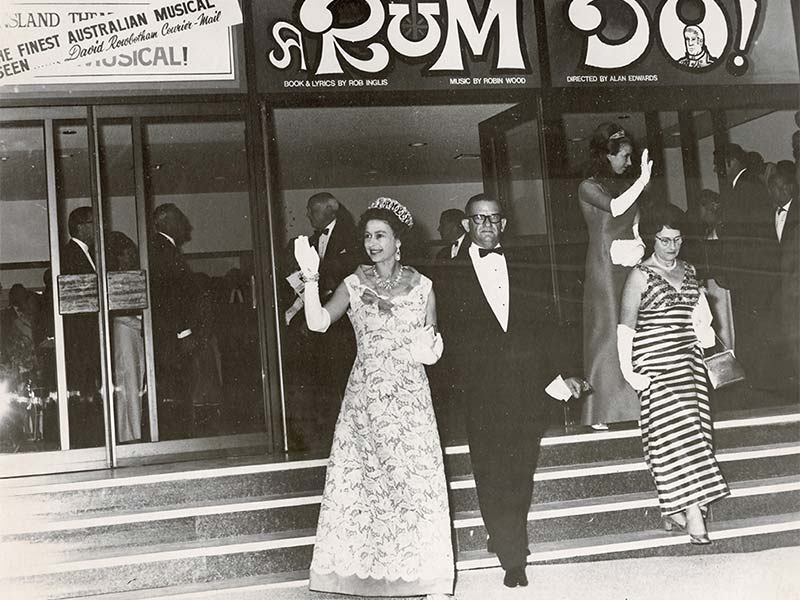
(235, 528)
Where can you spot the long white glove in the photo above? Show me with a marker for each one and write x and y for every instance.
(624, 201)
(427, 346)
(317, 318)
(625, 350)
(701, 320)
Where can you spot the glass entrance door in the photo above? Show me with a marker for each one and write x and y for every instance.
(52, 383)
(130, 327)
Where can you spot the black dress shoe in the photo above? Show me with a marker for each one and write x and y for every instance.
(515, 577)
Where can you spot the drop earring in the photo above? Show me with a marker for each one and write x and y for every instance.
(397, 254)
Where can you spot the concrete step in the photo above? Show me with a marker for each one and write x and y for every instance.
(139, 488)
(741, 535)
(609, 478)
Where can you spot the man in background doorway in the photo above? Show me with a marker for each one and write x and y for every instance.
(81, 338)
(750, 259)
(174, 296)
(452, 232)
(313, 405)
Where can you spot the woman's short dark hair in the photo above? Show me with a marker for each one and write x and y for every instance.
(656, 217)
(607, 138)
(117, 243)
(382, 214)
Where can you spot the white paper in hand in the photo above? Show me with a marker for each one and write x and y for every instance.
(558, 389)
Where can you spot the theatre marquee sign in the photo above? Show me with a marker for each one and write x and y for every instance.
(348, 45)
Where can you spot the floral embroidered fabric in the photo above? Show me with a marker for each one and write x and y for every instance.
(384, 525)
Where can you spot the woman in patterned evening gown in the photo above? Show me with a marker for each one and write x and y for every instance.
(609, 205)
(384, 524)
(665, 322)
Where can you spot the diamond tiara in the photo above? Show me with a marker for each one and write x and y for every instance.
(399, 211)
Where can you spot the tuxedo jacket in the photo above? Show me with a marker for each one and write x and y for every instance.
(74, 261)
(790, 269)
(80, 330)
(341, 257)
(173, 294)
(499, 375)
(750, 245)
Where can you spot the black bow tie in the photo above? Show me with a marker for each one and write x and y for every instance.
(321, 232)
(486, 251)
(780, 209)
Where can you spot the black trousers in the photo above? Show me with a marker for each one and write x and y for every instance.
(503, 463)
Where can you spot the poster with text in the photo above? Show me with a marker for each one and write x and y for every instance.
(671, 42)
(326, 45)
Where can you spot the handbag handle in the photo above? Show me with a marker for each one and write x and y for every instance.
(721, 343)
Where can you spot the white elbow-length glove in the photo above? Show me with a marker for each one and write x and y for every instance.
(701, 320)
(624, 201)
(317, 318)
(625, 350)
(427, 346)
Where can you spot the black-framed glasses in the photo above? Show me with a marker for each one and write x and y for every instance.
(493, 218)
(665, 240)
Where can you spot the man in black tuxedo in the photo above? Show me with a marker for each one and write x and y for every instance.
(500, 370)
(81, 338)
(174, 296)
(783, 189)
(750, 257)
(313, 405)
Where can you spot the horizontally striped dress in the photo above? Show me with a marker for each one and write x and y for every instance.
(675, 418)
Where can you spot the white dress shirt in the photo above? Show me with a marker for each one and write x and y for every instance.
(456, 246)
(492, 272)
(735, 179)
(324, 238)
(85, 249)
(780, 218)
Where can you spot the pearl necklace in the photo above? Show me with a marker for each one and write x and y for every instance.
(391, 282)
(663, 266)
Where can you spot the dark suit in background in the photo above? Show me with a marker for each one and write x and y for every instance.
(82, 350)
(751, 257)
(174, 296)
(789, 309)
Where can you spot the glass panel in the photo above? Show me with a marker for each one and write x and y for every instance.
(205, 329)
(126, 282)
(673, 179)
(28, 400)
(81, 321)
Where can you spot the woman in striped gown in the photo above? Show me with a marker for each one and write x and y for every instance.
(664, 324)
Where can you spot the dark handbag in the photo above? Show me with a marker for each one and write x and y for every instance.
(723, 368)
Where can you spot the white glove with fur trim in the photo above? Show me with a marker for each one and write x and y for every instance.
(427, 346)
(625, 350)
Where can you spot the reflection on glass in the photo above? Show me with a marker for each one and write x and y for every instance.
(205, 330)
(28, 400)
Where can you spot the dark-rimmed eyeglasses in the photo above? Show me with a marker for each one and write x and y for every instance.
(494, 218)
(666, 241)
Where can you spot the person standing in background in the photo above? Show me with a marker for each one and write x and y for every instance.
(783, 191)
(127, 346)
(609, 205)
(750, 257)
(174, 296)
(452, 232)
